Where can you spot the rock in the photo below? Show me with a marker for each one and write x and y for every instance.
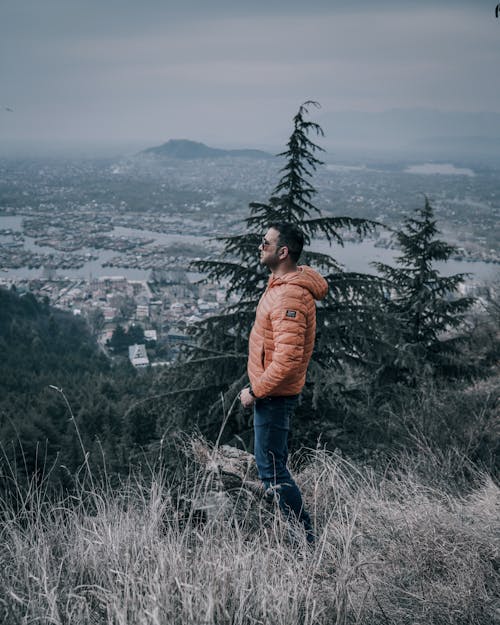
(228, 487)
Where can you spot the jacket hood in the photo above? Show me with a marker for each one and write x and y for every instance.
(305, 277)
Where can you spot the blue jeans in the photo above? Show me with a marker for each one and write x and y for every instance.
(271, 426)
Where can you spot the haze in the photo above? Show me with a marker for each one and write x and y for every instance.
(123, 75)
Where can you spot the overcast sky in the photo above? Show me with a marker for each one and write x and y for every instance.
(101, 72)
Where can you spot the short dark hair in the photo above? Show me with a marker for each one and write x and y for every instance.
(290, 236)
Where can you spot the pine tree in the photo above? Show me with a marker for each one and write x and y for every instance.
(347, 319)
(292, 201)
(425, 311)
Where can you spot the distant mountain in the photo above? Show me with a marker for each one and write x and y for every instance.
(185, 149)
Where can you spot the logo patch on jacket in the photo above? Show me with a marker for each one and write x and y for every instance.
(291, 313)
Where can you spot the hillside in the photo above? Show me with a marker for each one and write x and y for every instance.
(393, 547)
(45, 349)
(188, 150)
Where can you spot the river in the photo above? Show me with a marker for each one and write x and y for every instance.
(354, 256)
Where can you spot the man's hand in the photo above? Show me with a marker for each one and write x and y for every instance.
(247, 399)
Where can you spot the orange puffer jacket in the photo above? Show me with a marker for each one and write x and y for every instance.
(282, 338)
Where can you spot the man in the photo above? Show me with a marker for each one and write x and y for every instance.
(280, 347)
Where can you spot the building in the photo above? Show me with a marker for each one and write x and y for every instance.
(142, 311)
(150, 336)
(138, 356)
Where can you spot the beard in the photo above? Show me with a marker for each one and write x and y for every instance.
(271, 261)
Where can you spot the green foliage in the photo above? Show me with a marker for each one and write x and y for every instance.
(121, 339)
(292, 201)
(95, 321)
(38, 338)
(118, 341)
(135, 334)
(482, 351)
(347, 331)
(43, 347)
(424, 309)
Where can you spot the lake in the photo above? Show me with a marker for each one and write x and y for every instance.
(355, 256)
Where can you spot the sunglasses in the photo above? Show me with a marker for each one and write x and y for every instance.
(266, 243)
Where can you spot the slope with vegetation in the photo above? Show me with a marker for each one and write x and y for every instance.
(45, 349)
(393, 547)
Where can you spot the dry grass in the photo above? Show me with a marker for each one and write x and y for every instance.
(390, 550)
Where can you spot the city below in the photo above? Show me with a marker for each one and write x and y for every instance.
(113, 241)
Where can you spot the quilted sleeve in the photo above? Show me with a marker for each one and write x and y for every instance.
(288, 320)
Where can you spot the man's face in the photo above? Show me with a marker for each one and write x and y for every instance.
(269, 249)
